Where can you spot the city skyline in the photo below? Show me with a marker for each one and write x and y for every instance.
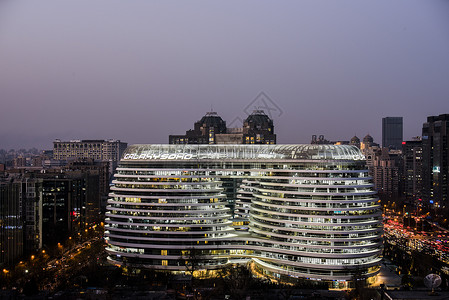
(141, 71)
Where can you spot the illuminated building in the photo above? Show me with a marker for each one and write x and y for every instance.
(98, 150)
(310, 210)
(435, 164)
(211, 129)
(412, 161)
(11, 227)
(258, 128)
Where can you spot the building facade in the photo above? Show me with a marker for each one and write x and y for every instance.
(386, 170)
(257, 128)
(435, 143)
(99, 150)
(301, 211)
(392, 133)
(412, 174)
(11, 225)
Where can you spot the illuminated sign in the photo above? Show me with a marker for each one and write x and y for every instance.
(174, 156)
(165, 156)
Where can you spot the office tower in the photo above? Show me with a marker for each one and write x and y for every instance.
(100, 169)
(311, 210)
(386, 169)
(320, 140)
(258, 128)
(412, 176)
(367, 143)
(392, 132)
(435, 143)
(99, 150)
(53, 204)
(211, 129)
(204, 131)
(355, 141)
(70, 202)
(11, 225)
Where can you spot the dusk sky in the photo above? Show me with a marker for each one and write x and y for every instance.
(140, 70)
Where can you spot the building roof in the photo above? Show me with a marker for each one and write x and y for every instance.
(368, 139)
(259, 117)
(242, 152)
(212, 119)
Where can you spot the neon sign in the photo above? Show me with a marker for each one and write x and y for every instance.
(165, 156)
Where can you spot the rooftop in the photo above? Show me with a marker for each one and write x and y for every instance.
(246, 152)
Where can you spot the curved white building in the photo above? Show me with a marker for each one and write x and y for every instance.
(307, 211)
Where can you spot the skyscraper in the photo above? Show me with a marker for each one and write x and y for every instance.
(412, 172)
(435, 145)
(392, 132)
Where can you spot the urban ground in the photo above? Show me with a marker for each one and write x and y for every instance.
(78, 269)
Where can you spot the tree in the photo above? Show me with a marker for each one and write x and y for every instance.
(237, 281)
(192, 258)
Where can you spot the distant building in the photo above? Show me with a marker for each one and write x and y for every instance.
(392, 132)
(355, 141)
(100, 169)
(99, 150)
(320, 140)
(257, 128)
(435, 144)
(43, 207)
(385, 166)
(386, 171)
(412, 174)
(367, 142)
(11, 225)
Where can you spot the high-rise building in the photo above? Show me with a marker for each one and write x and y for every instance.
(367, 143)
(386, 170)
(42, 207)
(355, 141)
(258, 128)
(204, 131)
(435, 147)
(99, 150)
(311, 211)
(211, 129)
(412, 175)
(11, 225)
(392, 133)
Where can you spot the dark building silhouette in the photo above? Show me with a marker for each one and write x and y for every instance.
(11, 223)
(355, 141)
(257, 128)
(392, 132)
(386, 169)
(43, 207)
(204, 131)
(320, 140)
(412, 174)
(435, 143)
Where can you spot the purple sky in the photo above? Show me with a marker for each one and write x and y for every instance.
(141, 70)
